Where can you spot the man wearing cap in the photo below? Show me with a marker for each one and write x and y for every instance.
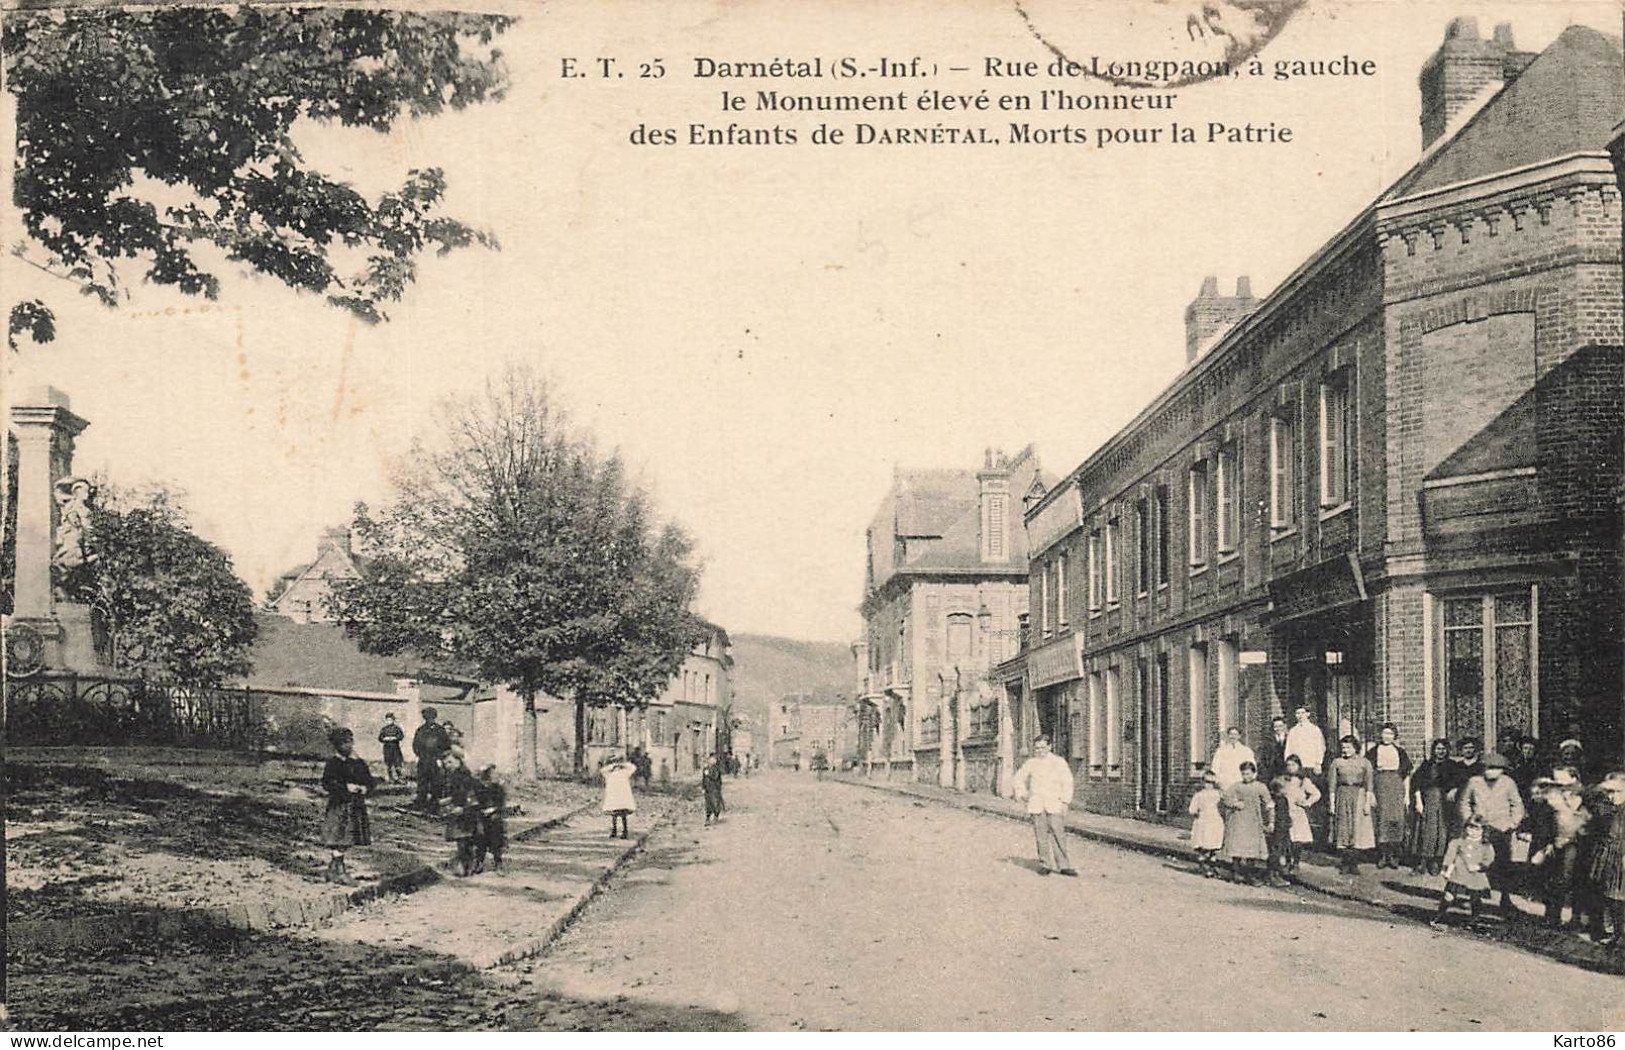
(1493, 796)
(430, 744)
(1045, 781)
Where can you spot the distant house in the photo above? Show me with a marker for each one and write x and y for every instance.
(301, 594)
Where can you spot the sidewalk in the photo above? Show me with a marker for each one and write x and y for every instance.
(113, 845)
(498, 918)
(1402, 892)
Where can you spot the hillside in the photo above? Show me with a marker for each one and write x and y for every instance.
(767, 667)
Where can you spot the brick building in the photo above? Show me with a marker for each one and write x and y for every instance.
(1390, 489)
(945, 589)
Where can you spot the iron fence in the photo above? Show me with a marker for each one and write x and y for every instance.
(73, 709)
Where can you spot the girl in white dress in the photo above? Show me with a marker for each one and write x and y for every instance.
(1207, 831)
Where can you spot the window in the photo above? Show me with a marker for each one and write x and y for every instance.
(1283, 471)
(1229, 692)
(1114, 759)
(1043, 599)
(1112, 529)
(1490, 680)
(660, 727)
(1197, 492)
(1142, 537)
(1229, 503)
(1097, 724)
(1198, 706)
(1060, 589)
(1094, 571)
(1160, 520)
(1335, 457)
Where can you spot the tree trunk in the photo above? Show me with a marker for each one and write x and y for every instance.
(581, 737)
(527, 742)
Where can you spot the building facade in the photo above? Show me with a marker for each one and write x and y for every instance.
(678, 728)
(1389, 491)
(945, 589)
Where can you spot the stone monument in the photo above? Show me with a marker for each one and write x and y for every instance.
(46, 631)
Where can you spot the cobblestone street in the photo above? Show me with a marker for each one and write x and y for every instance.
(821, 905)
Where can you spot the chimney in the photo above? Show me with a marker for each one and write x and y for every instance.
(1462, 68)
(1210, 314)
(335, 539)
(993, 498)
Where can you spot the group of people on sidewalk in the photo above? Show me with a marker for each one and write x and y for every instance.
(474, 806)
(1509, 820)
(1514, 819)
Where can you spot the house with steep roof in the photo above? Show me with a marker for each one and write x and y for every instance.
(301, 593)
(944, 596)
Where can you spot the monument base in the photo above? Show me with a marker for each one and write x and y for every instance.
(65, 642)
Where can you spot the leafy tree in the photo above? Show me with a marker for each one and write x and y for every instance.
(515, 550)
(144, 135)
(170, 601)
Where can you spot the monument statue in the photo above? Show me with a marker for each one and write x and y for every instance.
(74, 496)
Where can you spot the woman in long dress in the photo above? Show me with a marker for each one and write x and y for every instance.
(1391, 768)
(1249, 817)
(618, 802)
(1348, 784)
(1433, 795)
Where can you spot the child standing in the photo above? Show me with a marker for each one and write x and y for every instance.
(391, 736)
(493, 802)
(1556, 846)
(347, 781)
(711, 783)
(1466, 860)
(618, 800)
(1608, 861)
(1294, 794)
(463, 818)
(1207, 831)
(1249, 817)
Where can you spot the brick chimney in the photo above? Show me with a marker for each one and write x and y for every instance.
(1210, 314)
(334, 539)
(1462, 68)
(993, 495)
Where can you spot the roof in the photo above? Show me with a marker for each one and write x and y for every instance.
(320, 656)
(1567, 100)
(1576, 82)
(933, 518)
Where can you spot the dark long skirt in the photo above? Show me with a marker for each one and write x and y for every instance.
(345, 823)
(1389, 808)
(1431, 831)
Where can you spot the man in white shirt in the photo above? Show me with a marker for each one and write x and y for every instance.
(1045, 782)
(1228, 757)
(1307, 742)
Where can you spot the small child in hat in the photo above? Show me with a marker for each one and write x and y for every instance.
(1207, 831)
(493, 802)
(1466, 862)
(347, 781)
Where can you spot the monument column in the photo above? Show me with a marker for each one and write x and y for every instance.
(45, 428)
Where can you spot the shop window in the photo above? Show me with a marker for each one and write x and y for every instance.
(1097, 725)
(1198, 706)
(1489, 664)
(1229, 661)
(1113, 727)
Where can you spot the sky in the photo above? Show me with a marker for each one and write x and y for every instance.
(765, 333)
